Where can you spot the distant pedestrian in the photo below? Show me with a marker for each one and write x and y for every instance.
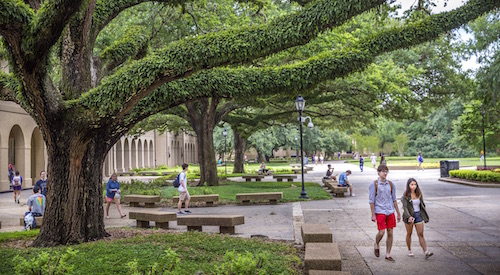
(344, 181)
(17, 182)
(113, 195)
(482, 155)
(420, 160)
(361, 162)
(36, 207)
(414, 214)
(373, 159)
(183, 191)
(383, 203)
(42, 183)
(321, 159)
(11, 175)
(383, 161)
(339, 155)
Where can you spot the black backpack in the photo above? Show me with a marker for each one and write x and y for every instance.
(177, 181)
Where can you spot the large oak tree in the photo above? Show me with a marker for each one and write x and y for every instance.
(101, 96)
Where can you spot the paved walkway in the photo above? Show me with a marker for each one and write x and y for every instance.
(463, 232)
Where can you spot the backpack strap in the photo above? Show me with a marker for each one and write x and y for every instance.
(376, 186)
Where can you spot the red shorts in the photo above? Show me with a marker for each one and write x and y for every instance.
(385, 221)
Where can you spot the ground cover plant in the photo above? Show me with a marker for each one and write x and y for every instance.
(483, 176)
(150, 251)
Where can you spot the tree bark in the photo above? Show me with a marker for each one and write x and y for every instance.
(202, 115)
(239, 152)
(74, 205)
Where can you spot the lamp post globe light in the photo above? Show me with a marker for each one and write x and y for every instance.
(224, 133)
(300, 102)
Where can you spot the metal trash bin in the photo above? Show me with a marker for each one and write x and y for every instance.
(446, 166)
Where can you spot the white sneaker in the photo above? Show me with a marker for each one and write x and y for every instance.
(352, 195)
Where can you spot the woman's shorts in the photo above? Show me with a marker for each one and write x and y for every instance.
(108, 199)
(418, 217)
(18, 187)
(183, 196)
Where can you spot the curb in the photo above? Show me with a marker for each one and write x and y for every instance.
(470, 183)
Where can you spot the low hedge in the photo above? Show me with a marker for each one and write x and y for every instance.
(484, 176)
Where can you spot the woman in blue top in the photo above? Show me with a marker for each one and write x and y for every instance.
(113, 194)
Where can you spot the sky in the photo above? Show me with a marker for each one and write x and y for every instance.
(450, 5)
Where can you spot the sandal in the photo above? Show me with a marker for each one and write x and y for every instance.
(377, 252)
(428, 254)
(410, 254)
(123, 216)
(390, 259)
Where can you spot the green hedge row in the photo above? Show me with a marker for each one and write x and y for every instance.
(485, 176)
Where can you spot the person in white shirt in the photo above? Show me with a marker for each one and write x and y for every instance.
(373, 158)
(183, 191)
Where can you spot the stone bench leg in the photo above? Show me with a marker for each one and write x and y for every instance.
(227, 229)
(162, 225)
(194, 228)
(134, 204)
(290, 180)
(273, 201)
(209, 203)
(257, 179)
(142, 224)
(339, 194)
(149, 204)
(245, 202)
(279, 179)
(248, 179)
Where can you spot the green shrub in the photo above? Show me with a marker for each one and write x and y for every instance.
(239, 263)
(484, 176)
(46, 263)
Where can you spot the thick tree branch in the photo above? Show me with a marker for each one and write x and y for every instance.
(250, 82)
(8, 87)
(189, 55)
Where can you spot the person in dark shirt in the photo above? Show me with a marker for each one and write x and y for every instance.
(42, 183)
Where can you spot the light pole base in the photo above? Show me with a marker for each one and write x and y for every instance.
(303, 195)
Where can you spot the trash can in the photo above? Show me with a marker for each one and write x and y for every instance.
(446, 166)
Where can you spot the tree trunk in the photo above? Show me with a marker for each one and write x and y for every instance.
(74, 205)
(202, 114)
(239, 153)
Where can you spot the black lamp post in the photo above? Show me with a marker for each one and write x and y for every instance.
(300, 102)
(484, 139)
(296, 151)
(224, 133)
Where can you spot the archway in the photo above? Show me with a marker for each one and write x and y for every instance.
(126, 155)
(151, 154)
(133, 151)
(119, 156)
(17, 150)
(140, 154)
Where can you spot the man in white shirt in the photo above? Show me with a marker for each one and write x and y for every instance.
(183, 191)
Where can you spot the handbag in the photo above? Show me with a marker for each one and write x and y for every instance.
(117, 195)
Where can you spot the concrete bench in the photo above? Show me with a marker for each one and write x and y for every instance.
(161, 219)
(39, 221)
(337, 191)
(226, 223)
(299, 170)
(166, 173)
(208, 199)
(295, 165)
(149, 173)
(250, 177)
(272, 197)
(129, 173)
(322, 256)
(134, 200)
(284, 177)
(308, 168)
(316, 233)
(269, 172)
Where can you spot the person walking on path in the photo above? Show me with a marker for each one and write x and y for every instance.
(344, 181)
(11, 175)
(420, 160)
(373, 159)
(361, 162)
(382, 160)
(414, 214)
(17, 182)
(113, 195)
(383, 203)
(183, 191)
(42, 183)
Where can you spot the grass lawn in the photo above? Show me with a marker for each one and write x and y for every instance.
(138, 251)
(227, 190)
(431, 162)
